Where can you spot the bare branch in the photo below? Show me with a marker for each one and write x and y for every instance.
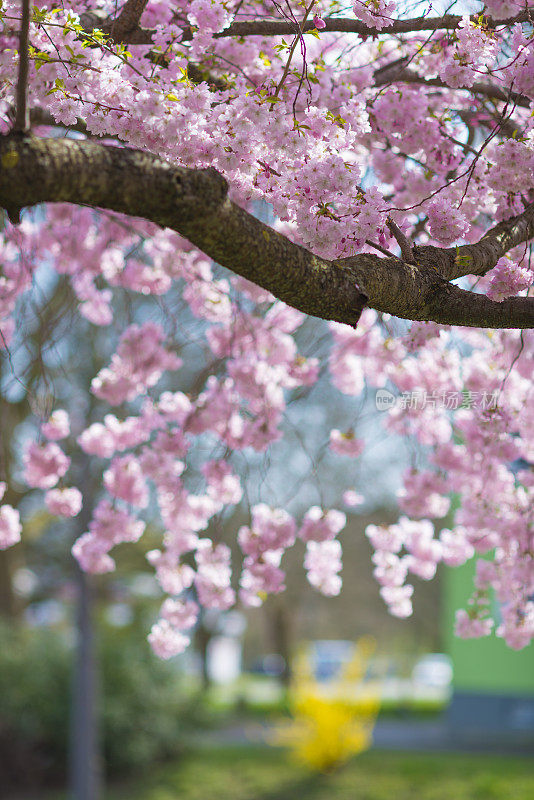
(404, 243)
(417, 292)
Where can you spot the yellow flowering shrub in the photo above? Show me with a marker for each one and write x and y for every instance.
(333, 721)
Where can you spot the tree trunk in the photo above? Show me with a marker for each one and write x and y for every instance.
(280, 624)
(9, 606)
(84, 766)
(202, 639)
(84, 747)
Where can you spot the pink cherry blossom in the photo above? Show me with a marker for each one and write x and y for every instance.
(212, 580)
(260, 578)
(179, 613)
(469, 627)
(272, 529)
(345, 444)
(323, 562)
(10, 527)
(223, 485)
(110, 526)
(352, 499)
(58, 425)
(508, 279)
(398, 599)
(44, 464)
(319, 525)
(139, 362)
(166, 641)
(65, 502)
(124, 479)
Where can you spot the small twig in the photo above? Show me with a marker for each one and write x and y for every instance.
(405, 245)
(22, 116)
(516, 357)
(379, 248)
(298, 37)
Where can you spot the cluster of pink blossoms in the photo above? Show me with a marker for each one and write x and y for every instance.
(474, 47)
(302, 139)
(110, 526)
(508, 279)
(44, 465)
(139, 363)
(472, 415)
(376, 13)
(273, 531)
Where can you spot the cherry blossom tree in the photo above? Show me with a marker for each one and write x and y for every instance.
(394, 155)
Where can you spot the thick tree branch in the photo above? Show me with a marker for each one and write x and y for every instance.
(505, 127)
(479, 258)
(386, 77)
(452, 306)
(417, 292)
(341, 25)
(128, 19)
(92, 20)
(96, 19)
(194, 203)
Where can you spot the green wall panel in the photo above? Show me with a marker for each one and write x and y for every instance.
(488, 664)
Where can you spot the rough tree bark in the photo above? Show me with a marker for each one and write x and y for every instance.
(195, 203)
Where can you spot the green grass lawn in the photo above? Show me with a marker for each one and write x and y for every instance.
(235, 773)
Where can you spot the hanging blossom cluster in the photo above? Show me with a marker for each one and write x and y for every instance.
(303, 128)
(147, 452)
(376, 13)
(472, 414)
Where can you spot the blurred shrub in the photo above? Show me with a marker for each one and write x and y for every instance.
(34, 706)
(331, 721)
(146, 708)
